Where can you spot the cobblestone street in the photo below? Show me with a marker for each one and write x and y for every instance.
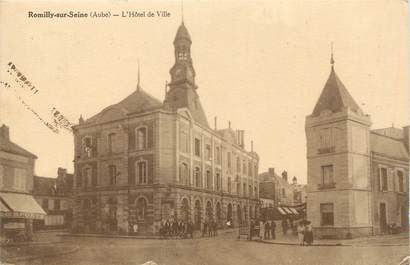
(224, 249)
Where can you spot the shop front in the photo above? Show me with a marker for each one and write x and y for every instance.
(17, 212)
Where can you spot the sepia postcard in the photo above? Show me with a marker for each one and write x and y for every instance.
(204, 132)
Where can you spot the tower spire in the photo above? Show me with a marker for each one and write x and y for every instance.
(332, 61)
(182, 11)
(138, 82)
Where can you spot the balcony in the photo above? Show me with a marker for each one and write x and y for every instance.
(324, 186)
(325, 150)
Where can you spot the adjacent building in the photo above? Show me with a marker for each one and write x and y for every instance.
(55, 197)
(142, 160)
(18, 208)
(357, 177)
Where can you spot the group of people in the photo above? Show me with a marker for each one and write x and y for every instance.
(177, 229)
(305, 234)
(210, 228)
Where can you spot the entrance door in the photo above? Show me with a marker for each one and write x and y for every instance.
(383, 218)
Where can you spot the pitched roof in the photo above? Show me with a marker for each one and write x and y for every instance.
(138, 101)
(8, 146)
(396, 133)
(390, 147)
(44, 186)
(335, 97)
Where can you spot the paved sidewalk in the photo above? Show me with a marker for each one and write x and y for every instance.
(380, 240)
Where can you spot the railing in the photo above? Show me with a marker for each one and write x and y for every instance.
(326, 150)
(330, 185)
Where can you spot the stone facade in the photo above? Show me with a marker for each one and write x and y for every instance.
(142, 161)
(343, 157)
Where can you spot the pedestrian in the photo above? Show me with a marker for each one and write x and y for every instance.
(308, 235)
(205, 229)
(301, 232)
(267, 231)
(190, 229)
(284, 226)
(135, 228)
(261, 229)
(273, 229)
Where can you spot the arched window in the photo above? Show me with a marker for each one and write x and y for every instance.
(183, 174)
(141, 209)
(197, 174)
(141, 169)
(141, 140)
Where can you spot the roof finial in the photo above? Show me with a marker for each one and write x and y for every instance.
(332, 61)
(182, 11)
(138, 82)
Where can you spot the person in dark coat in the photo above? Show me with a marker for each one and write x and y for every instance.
(284, 226)
(308, 235)
(205, 229)
(267, 230)
(273, 229)
(190, 229)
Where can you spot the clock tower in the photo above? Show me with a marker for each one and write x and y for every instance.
(182, 89)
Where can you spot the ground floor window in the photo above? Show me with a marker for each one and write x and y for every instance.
(326, 214)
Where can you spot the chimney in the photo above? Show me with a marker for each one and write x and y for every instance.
(215, 121)
(5, 132)
(240, 138)
(61, 172)
(251, 146)
(295, 180)
(406, 136)
(271, 171)
(285, 175)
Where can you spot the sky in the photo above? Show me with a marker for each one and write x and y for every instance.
(260, 65)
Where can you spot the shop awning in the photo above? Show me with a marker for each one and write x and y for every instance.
(282, 211)
(21, 205)
(294, 211)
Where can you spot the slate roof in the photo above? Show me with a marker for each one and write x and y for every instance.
(182, 33)
(44, 186)
(9, 147)
(138, 101)
(335, 97)
(388, 146)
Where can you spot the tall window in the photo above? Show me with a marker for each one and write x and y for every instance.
(255, 193)
(183, 142)
(250, 190)
(19, 179)
(325, 137)
(327, 174)
(229, 185)
(326, 214)
(383, 179)
(255, 171)
(197, 174)
(141, 208)
(208, 179)
(44, 204)
(87, 146)
(218, 181)
(141, 168)
(283, 192)
(229, 159)
(57, 204)
(183, 174)
(244, 189)
(86, 176)
(238, 164)
(197, 147)
(400, 180)
(244, 167)
(208, 154)
(218, 155)
(238, 188)
(111, 142)
(112, 170)
(141, 138)
(249, 169)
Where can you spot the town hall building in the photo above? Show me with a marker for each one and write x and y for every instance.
(357, 177)
(141, 161)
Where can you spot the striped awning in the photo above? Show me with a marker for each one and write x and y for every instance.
(18, 205)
